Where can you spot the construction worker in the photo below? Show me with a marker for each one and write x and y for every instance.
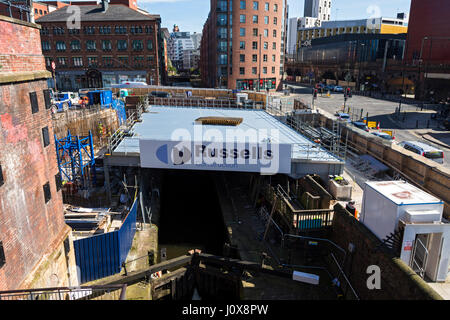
(350, 207)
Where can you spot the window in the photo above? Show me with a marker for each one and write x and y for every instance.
(273, 69)
(150, 60)
(123, 60)
(242, 4)
(274, 45)
(265, 58)
(274, 33)
(254, 70)
(2, 255)
(265, 70)
(34, 102)
(242, 57)
(47, 194)
(273, 58)
(106, 45)
(242, 18)
(62, 61)
(254, 45)
(40, 11)
(139, 61)
(47, 98)
(266, 45)
(255, 58)
(77, 61)
(222, 6)
(150, 45)
(149, 29)
(120, 29)
(2, 181)
(266, 6)
(241, 70)
(242, 32)
(92, 61)
(60, 46)
(75, 45)
(58, 181)
(223, 59)
(107, 62)
(275, 8)
(138, 45)
(266, 32)
(242, 45)
(46, 46)
(122, 45)
(266, 20)
(255, 32)
(255, 5)
(90, 45)
(45, 136)
(255, 19)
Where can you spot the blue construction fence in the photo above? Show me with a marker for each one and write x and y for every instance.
(102, 255)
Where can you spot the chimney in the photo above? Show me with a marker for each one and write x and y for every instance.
(104, 5)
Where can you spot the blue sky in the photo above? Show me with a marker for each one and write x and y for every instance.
(190, 15)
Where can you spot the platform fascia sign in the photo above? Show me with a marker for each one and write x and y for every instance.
(265, 158)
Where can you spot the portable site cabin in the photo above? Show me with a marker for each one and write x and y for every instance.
(388, 205)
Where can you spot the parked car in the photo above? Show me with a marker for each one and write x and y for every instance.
(361, 125)
(338, 89)
(160, 94)
(425, 150)
(343, 116)
(383, 135)
(330, 87)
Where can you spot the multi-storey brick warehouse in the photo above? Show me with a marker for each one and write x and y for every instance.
(113, 43)
(35, 244)
(243, 44)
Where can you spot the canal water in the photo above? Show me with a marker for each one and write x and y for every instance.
(190, 216)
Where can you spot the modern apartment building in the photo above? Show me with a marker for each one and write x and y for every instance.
(114, 42)
(178, 44)
(243, 44)
(319, 9)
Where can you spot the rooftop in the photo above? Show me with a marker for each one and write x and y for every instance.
(115, 12)
(403, 193)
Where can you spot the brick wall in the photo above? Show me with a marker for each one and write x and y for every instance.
(31, 229)
(398, 281)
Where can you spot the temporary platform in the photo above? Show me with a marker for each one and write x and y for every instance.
(175, 138)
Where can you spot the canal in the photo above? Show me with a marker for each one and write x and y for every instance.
(190, 215)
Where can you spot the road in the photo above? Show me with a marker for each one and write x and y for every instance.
(381, 111)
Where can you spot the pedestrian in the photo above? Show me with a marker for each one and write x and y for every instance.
(350, 207)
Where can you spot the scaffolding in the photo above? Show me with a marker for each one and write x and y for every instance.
(76, 160)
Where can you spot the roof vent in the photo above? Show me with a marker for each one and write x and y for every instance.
(219, 121)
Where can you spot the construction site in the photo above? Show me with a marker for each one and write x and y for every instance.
(163, 193)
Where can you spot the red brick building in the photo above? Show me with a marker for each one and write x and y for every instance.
(243, 44)
(429, 31)
(115, 42)
(35, 243)
(428, 47)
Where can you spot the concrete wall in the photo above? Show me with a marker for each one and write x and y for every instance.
(31, 229)
(425, 173)
(398, 281)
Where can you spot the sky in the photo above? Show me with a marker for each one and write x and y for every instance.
(190, 15)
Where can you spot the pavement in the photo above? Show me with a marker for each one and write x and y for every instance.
(413, 124)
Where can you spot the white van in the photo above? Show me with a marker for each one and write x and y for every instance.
(424, 150)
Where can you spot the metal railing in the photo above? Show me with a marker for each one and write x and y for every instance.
(21, 9)
(110, 292)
